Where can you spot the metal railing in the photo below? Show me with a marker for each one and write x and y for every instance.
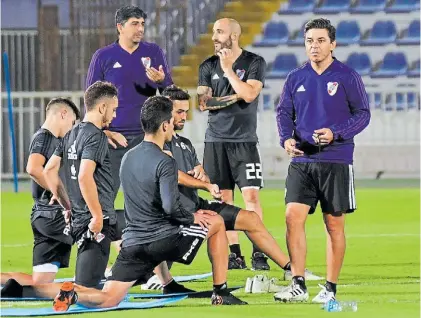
(29, 114)
(174, 25)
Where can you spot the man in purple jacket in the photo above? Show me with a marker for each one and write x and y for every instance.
(137, 68)
(322, 107)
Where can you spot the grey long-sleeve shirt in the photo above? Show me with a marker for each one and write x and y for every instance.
(153, 210)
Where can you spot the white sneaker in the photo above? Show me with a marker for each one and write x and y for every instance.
(308, 275)
(293, 293)
(153, 283)
(262, 284)
(323, 296)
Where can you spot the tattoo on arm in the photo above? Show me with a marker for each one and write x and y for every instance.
(216, 103)
(204, 93)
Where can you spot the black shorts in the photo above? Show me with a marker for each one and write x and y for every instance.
(92, 256)
(226, 211)
(135, 263)
(233, 163)
(330, 183)
(116, 155)
(51, 245)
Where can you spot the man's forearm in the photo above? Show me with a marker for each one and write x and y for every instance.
(242, 89)
(55, 185)
(188, 181)
(89, 192)
(38, 176)
(62, 196)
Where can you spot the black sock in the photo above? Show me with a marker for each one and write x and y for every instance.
(12, 289)
(256, 249)
(169, 264)
(174, 287)
(235, 248)
(330, 287)
(300, 280)
(287, 267)
(218, 289)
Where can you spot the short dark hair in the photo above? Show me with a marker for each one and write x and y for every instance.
(155, 111)
(125, 13)
(97, 91)
(64, 101)
(321, 23)
(174, 92)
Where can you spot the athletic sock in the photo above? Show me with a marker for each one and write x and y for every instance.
(221, 289)
(235, 248)
(256, 249)
(287, 267)
(330, 287)
(173, 287)
(300, 280)
(12, 289)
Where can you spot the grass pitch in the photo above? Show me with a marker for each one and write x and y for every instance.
(381, 269)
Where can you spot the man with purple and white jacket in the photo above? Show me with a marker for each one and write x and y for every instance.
(137, 68)
(322, 107)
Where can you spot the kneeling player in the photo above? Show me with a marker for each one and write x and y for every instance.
(158, 227)
(52, 242)
(235, 218)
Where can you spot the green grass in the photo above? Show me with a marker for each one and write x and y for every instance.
(381, 269)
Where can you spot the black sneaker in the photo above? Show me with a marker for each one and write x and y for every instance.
(176, 288)
(259, 262)
(235, 262)
(226, 299)
(65, 298)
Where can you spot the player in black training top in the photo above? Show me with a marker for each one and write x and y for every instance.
(192, 176)
(158, 227)
(229, 85)
(85, 158)
(52, 242)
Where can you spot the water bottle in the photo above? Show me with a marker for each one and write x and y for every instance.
(338, 306)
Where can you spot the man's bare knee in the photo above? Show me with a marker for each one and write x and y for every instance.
(251, 196)
(248, 220)
(296, 215)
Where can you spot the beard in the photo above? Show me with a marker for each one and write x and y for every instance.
(224, 45)
(178, 127)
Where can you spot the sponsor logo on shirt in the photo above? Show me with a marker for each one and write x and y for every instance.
(240, 73)
(146, 61)
(332, 87)
(117, 65)
(215, 77)
(184, 146)
(71, 153)
(73, 171)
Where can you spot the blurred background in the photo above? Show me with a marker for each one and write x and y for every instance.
(50, 43)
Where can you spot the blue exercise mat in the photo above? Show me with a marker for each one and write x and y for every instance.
(75, 309)
(180, 279)
(197, 294)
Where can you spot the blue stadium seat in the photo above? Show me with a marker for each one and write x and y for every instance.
(413, 101)
(393, 64)
(283, 64)
(359, 62)
(275, 33)
(403, 6)
(414, 70)
(298, 7)
(333, 6)
(411, 36)
(369, 6)
(383, 32)
(297, 39)
(348, 32)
